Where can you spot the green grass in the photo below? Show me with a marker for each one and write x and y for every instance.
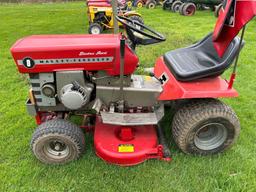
(234, 170)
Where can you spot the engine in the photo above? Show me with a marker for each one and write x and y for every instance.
(67, 72)
(66, 90)
(74, 96)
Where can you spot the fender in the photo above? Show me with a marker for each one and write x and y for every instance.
(203, 88)
(131, 13)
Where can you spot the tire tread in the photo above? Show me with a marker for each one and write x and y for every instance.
(198, 110)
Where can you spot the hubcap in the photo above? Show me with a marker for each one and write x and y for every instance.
(129, 4)
(95, 30)
(139, 5)
(190, 10)
(210, 136)
(151, 6)
(177, 8)
(56, 149)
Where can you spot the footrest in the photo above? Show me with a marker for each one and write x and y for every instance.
(131, 119)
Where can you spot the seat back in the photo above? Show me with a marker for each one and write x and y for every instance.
(200, 60)
(208, 56)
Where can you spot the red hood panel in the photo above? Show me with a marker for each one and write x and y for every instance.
(57, 42)
(48, 53)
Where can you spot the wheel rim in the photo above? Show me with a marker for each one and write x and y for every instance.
(56, 149)
(177, 8)
(210, 136)
(95, 30)
(129, 4)
(139, 5)
(151, 6)
(190, 10)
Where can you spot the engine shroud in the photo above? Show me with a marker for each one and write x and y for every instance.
(50, 53)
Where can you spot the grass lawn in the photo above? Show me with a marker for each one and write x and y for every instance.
(234, 170)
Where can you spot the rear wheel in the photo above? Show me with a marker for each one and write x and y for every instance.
(151, 4)
(176, 6)
(181, 8)
(129, 4)
(164, 6)
(205, 127)
(189, 9)
(57, 142)
(95, 29)
(139, 4)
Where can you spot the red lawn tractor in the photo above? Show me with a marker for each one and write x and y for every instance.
(91, 76)
(150, 4)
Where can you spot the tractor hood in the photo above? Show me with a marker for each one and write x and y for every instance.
(234, 15)
(49, 53)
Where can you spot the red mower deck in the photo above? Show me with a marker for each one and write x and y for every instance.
(126, 146)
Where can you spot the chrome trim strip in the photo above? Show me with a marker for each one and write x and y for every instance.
(70, 60)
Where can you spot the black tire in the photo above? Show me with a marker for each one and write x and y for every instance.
(181, 8)
(165, 6)
(137, 18)
(205, 127)
(57, 142)
(129, 4)
(139, 4)
(151, 4)
(217, 10)
(176, 6)
(189, 9)
(95, 28)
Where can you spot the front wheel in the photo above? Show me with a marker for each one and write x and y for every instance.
(176, 6)
(164, 6)
(139, 4)
(205, 127)
(95, 28)
(57, 142)
(181, 8)
(189, 9)
(151, 4)
(129, 4)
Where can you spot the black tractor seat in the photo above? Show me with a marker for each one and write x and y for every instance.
(200, 60)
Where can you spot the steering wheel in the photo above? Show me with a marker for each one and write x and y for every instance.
(136, 31)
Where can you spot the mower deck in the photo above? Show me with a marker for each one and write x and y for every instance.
(126, 146)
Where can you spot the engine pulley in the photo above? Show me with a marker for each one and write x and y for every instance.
(74, 96)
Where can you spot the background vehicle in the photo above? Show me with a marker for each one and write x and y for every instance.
(188, 7)
(150, 4)
(100, 16)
